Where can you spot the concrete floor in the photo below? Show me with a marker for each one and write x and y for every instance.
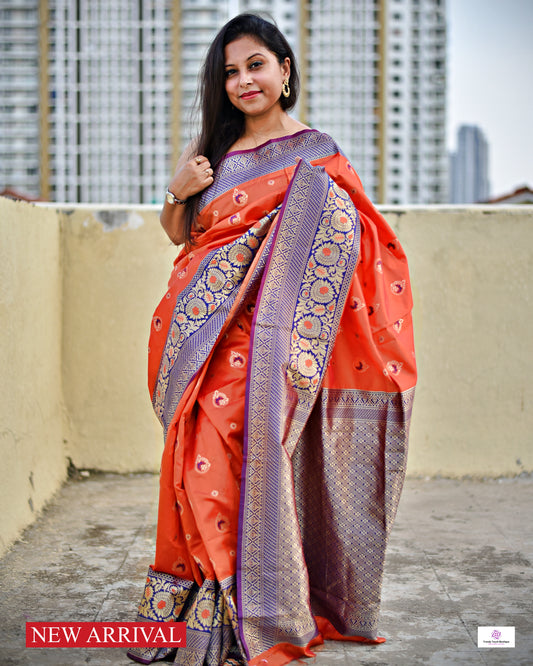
(460, 557)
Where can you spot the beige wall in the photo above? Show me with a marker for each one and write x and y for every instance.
(31, 406)
(79, 287)
(116, 267)
(471, 272)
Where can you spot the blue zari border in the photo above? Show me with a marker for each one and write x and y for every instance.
(296, 320)
(240, 167)
(193, 332)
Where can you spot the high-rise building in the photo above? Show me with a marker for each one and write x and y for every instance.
(19, 97)
(414, 103)
(341, 65)
(110, 99)
(118, 81)
(376, 73)
(373, 76)
(469, 167)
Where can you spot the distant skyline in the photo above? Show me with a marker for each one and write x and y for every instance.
(490, 83)
(469, 181)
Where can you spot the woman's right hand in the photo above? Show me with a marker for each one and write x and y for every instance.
(191, 176)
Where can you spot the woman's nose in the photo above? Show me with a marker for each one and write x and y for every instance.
(245, 80)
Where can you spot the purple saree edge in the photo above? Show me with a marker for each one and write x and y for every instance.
(266, 143)
(319, 140)
(139, 660)
(268, 602)
(188, 286)
(191, 356)
(246, 405)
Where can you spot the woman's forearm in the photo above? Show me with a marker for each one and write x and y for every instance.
(192, 175)
(172, 219)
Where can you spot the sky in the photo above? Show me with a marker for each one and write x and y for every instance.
(490, 83)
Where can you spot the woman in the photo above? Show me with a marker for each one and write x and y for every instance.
(282, 369)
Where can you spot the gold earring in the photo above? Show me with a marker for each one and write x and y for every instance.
(285, 89)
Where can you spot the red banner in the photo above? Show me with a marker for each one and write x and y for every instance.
(105, 634)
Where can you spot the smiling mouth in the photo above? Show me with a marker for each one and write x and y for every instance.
(249, 94)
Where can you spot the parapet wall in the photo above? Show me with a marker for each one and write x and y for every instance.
(79, 285)
(32, 416)
(116, 265)
(472, 279)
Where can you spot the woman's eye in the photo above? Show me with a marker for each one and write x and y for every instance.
(230, 72)
(256, 64)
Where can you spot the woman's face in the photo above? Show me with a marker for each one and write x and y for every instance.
(254, 77)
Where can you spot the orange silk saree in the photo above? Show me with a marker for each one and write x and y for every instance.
(282, 368)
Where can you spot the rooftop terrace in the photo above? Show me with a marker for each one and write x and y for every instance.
(460, 556)
(79, 285)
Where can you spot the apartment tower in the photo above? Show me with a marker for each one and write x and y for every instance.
(20, 135)
(469, 167)
(117, 84)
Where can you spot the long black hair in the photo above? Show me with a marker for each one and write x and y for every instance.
(222, 124)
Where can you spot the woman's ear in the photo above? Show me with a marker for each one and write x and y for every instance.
(286, 68)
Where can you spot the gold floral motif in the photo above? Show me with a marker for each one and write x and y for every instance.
(164, 597)
(200, 614)
(321, 289)
(217, 280)
(289, 592)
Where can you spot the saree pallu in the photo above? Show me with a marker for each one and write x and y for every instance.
(282, 369)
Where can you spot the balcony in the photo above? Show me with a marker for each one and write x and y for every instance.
(79, 287)
(79, 284)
